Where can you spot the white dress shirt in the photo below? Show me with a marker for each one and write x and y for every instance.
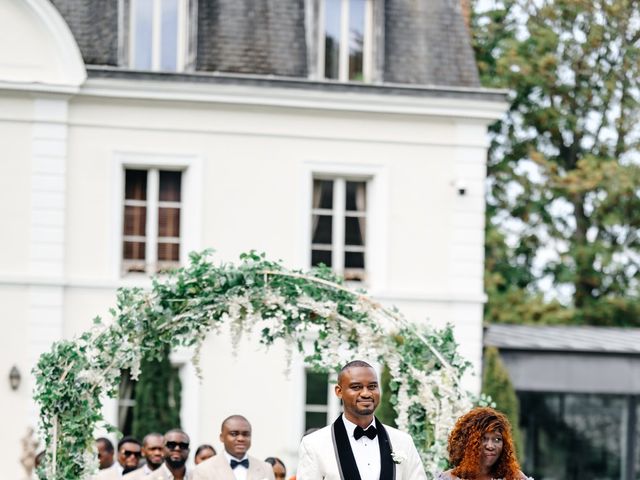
(365, 451)
(240, 472)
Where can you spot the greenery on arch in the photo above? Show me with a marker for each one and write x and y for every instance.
(183, 307)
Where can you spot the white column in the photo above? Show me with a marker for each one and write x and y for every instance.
(47, 229)
(466, 271)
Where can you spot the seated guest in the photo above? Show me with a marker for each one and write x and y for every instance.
(203, 453)
(279, 470)
(152, 451)
(481, 447)
(129, 453)
(234, 462)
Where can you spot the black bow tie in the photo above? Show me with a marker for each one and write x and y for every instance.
(244, 463)
(370, 432)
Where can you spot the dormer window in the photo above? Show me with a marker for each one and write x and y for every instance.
(345, 43)
(158, 34)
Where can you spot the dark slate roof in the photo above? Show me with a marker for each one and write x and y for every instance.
(564, 338)
(245, 36)
(427, 42)
(424, 42)
(475, 93)
(94, 25)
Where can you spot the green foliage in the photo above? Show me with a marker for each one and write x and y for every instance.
(158, 397)
(385, 411)
(564, 204)
(497, 384)
(256, 295)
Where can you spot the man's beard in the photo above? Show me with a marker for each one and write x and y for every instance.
(128, 469)
(175, 463)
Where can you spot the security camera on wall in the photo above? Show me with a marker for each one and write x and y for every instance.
(461, 187)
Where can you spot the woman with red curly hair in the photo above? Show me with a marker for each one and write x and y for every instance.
(481, 448)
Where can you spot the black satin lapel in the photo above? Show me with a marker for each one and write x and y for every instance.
(344, 455)
(387, 466)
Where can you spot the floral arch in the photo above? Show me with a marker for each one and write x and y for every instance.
(184, 306)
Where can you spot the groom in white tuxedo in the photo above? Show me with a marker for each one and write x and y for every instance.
(357, 446)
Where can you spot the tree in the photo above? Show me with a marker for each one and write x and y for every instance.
(563, 206)
(497, 384)
(157, 395)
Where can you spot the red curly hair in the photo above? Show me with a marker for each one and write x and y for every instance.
(465, 445)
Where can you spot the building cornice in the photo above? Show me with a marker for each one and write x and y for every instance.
(484, 105)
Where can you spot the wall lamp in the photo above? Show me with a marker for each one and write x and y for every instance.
(14, 378)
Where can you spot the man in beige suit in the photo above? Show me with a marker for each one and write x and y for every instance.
(176, 452)
(152, 451)
(234, 463)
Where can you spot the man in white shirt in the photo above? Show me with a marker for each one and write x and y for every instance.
(357, 446)
(176, 452)
(234, 463)
(105, 453)
(152, 451)
(129, 452)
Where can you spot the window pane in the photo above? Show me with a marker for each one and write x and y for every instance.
(320, 256)
(168, 252)
(126, 402)
(135, 220)
(353, 259)
(317, 388)
(574, 436)
(170, 185)
(168, 222)
(135, 185)
(134, 251)
(143, 18)
(354, 231)
(322, 229)
(323, 194)
(169, 36)
(315, 420)
(332, 38)
(356, 39)
(356, 196)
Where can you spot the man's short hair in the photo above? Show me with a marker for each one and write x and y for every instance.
(150, 435)
(352, 364)
(128, 439)
(108, 446)
(178, 430)
(232, 417)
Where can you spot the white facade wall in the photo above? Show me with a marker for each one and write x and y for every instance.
(249, 155)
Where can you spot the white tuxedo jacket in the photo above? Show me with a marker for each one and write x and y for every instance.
(317, 458)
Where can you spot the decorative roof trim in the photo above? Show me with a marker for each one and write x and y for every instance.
(73, 67)
(481, 105)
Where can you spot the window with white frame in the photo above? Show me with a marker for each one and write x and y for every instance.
(151, 230)
(345, 44)
(158, 34)
(338, 225)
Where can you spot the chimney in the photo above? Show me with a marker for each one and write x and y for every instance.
(466, 12)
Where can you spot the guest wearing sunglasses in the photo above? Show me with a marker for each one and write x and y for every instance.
(129, 453)
(176, 452)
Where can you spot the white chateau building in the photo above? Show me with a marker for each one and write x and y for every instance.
(136, 131)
